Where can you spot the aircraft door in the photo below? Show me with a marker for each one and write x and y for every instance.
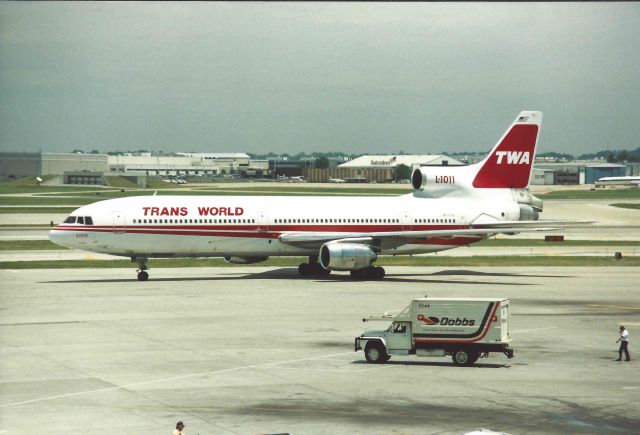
(262, 223)
(405, 218)
(118, 222)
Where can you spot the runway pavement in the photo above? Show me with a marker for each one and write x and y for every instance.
(260, 350)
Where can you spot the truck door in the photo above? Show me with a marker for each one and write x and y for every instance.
(399, 337)
(504, 322)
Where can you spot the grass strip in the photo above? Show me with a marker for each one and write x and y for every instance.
(68, 201)
(29, 245)
(21, 245)
(488, 261)
(592, 194)
(19, 226)
(498, 243)
(23, 210)
(630, 206)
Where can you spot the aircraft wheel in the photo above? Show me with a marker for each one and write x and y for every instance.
(143, 276)
(318, 270)
(378, 272)
(324, 272)
(303, 269)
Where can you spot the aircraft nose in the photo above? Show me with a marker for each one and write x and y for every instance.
(59, 237)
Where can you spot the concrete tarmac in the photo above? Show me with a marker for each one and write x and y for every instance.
(552, 250)
(250, 350)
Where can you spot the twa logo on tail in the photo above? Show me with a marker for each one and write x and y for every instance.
(508, 166)
(513, 157)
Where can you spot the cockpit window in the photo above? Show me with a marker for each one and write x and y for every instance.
(88, 220)
(80, 220)
(70, 220)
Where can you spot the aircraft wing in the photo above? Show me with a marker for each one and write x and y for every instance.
(392, 239)
(528, 224)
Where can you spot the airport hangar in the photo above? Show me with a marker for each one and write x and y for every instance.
(79, 168)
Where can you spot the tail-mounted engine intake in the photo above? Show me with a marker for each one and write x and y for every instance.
(346, 256)
(245, 260)
(438, 181)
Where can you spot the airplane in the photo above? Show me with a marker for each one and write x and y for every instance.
(297, 180)
(618, 181)
(336, 180)
(450, 206)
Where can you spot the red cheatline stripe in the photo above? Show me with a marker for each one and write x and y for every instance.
(280, 228)
(274, 231)
(472, 340)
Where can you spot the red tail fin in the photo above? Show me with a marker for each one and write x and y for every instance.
(509, 163)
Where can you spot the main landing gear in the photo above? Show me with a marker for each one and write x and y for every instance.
(312, 268)
(371, 272)
(143, 275)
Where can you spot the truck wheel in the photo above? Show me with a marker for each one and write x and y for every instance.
(474, 357)
(463, 357)
(375, 353)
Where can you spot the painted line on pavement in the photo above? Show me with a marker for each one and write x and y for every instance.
(170, 379)
(614, 306)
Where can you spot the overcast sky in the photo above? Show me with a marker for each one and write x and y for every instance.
(291, 77)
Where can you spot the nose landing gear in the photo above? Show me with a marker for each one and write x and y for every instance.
(143, 275)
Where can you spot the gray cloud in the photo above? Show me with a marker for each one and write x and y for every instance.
(322, 76)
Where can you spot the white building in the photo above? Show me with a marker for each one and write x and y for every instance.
(391, 161)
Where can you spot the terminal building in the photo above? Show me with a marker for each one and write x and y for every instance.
(91, 168)
(18, 165)
(577, 172)
(377, 168)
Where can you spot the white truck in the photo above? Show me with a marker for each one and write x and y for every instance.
(465, 328)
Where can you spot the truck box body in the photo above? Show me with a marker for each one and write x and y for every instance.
(441, 326)
(438, 321)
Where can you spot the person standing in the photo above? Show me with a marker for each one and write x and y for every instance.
(179, 429)
(624, 344)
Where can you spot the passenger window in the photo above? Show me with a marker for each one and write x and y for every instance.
(88, 220)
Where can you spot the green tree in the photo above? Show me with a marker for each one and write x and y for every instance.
(403, 172)
(322, 162)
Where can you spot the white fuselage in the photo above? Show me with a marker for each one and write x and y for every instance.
(221, 226)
